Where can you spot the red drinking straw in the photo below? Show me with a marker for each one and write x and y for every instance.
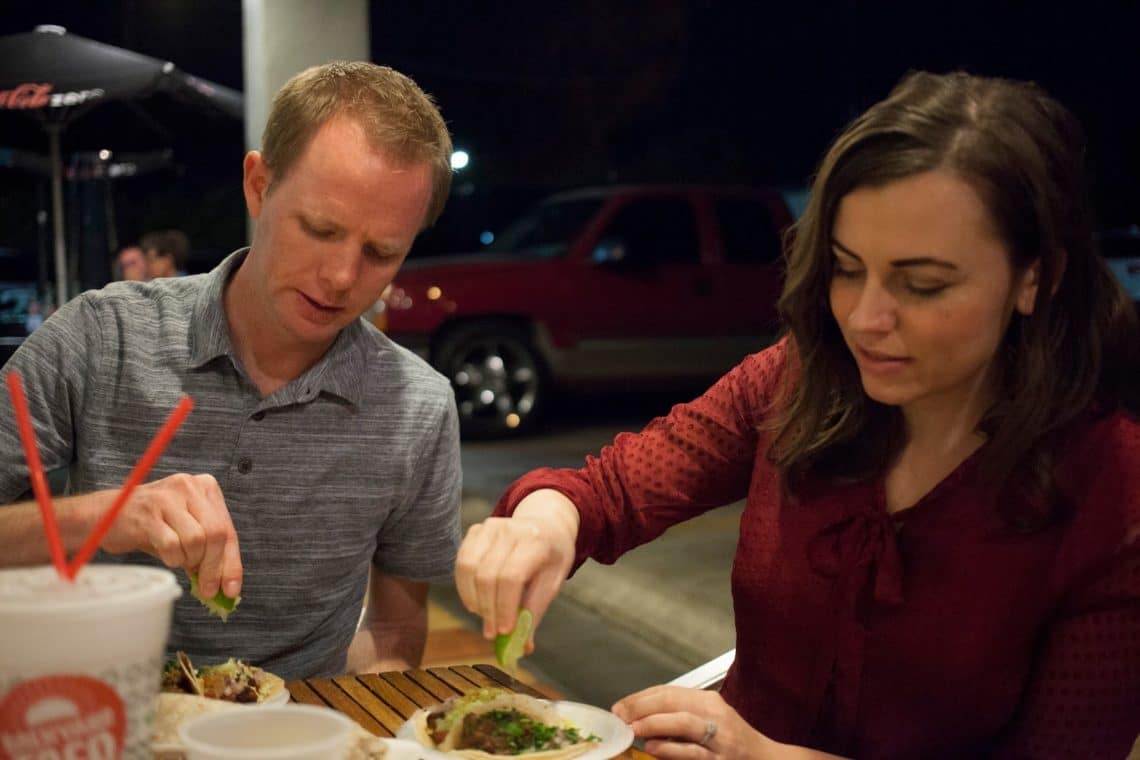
(36, 471)
(149, 457)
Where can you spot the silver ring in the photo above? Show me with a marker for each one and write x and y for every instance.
(710, 732)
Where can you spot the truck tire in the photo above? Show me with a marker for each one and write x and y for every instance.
(500, 381)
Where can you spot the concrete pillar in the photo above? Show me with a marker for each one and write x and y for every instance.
(282, 37)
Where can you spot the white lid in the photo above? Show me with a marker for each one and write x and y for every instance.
(25, 590)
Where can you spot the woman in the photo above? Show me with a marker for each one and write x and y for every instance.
(939, 554)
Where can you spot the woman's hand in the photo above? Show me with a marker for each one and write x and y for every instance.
(506, 563)
(684, 724)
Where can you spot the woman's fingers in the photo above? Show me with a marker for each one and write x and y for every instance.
(487, 578)
(501, 567)
(667, 749)
(680, 723)
(471, 552)
(523, 563)
(657, 699)
(675, 725)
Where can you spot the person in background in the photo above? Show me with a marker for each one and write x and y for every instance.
(939, 554)
(34, 317)
(167, 253)
(330, 453)
(131, 264)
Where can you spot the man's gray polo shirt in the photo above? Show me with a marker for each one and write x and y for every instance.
(355, 462)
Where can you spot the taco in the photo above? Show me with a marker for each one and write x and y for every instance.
(171, 710)
(493, 723)
(231, 681)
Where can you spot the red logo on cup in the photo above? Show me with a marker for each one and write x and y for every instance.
(62, 716)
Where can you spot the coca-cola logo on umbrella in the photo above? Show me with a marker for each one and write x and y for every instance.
(40, 95)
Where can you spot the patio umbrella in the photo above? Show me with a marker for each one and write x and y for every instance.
(56, 77)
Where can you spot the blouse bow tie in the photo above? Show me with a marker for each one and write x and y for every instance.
(862, 546)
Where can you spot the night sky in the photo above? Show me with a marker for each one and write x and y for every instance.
(551, 95)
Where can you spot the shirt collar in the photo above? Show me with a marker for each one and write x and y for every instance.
(338, 372)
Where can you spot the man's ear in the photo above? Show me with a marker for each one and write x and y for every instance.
(1026, 288)
(255, 182)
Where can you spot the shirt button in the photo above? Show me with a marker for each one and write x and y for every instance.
(258, 416)
(245, 464)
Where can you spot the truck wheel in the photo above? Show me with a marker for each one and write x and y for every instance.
(499, 379)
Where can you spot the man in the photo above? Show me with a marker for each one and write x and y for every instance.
(167, 253)
(130, 264)
(327, 450)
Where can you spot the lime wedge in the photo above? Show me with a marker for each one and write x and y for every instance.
(509, 647)
(219, 604)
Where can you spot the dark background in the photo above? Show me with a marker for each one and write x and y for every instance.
(546, 96)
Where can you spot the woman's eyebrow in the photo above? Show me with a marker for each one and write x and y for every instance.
(924, 261)
(914, 261)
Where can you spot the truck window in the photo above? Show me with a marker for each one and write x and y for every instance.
(747, 233)
(656, 230)
(547, 229)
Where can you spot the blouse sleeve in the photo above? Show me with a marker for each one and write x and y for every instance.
(1083, 698)
(698, 457)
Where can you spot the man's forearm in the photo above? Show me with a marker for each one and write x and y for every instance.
(388, 645)
(22, 539)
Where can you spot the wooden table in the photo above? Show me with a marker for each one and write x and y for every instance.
(382, 702)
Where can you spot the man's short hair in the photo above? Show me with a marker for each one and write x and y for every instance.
(398, 118)
(173, 243)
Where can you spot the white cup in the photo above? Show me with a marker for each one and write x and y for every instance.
(287, 732)
(81, 663)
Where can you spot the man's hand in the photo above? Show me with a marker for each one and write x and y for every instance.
(183, 520)
(517, 561)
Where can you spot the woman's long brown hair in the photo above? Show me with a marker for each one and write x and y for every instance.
(1076, 354)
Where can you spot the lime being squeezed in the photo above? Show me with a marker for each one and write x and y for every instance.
(219, 604)
(509, 647)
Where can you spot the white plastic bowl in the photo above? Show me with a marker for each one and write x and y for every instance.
(287, 732)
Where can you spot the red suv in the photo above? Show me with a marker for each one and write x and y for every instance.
(613, 286)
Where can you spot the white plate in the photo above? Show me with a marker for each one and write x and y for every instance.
(616, 736)
(405, 749)
(398, 749)
(279, 698)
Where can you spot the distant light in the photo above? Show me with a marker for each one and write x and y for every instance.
(126, 169)
(433, 293)
(486, 237)
(104, 155)
(459, 160)
(487, 396)
(512, 420)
